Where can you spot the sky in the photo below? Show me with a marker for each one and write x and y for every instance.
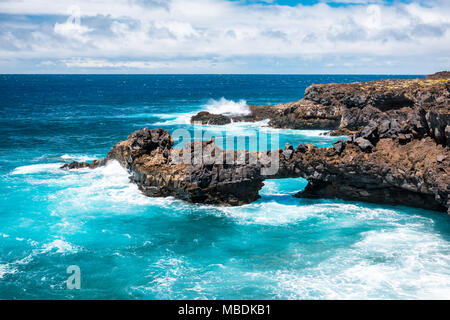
(225, 36)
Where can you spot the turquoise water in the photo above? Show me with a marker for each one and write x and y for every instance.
(129, 246)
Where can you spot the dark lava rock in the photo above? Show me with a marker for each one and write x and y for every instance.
(398, 153)
(339, 146)
(302, 148)
(78, 165)
(439, 75)
(203, 175)
(364, 144)
(205, 117)
(370, 132)
(147, 140)
(75, 165)
(288, 151)
(349, 107)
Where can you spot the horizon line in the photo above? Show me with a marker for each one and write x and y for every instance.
(255, 74)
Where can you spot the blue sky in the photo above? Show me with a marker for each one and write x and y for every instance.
(220, 36)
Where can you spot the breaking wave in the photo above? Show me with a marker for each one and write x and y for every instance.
(227, 107)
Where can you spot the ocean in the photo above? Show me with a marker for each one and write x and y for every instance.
(128, 246)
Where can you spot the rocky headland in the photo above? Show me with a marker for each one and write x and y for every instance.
(347, 107)
(398, 150)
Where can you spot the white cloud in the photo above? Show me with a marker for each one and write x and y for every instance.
(72, 31)
(137, 30)
(181, 30)
(150, 65)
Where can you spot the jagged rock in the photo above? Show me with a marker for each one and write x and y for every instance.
(370, 132)
(205, 117)
(413, 174)
(339, 146)
(147, 140)
(202, 176)
(404, 138)
(288, 150)
(364, 144)
(143, 142)
(78, 165)
(75, 165)
(98, 163)
(399, 153)
(388, 174)
(302, 148)
(438, 122)
(384, 127)
(439, 75)
(349, 107)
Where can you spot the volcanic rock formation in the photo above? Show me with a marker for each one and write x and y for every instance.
(398, 153)
(347, 107)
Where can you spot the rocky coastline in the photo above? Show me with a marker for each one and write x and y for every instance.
(347, 107)
(397, 151)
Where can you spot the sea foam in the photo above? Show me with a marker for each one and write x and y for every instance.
(174, 119)
(59, 246)
(228, 107)
(37, 168)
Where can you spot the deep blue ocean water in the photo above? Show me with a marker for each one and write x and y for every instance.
(129, 246)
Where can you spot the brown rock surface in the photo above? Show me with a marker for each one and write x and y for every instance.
(347, 107)
(439, 75)
(414, 173)
(78, 165)
(398, 152)
(204, 181)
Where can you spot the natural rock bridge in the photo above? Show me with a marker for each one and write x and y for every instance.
(345, 171)
(398, 153)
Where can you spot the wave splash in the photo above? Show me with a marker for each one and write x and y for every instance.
(174, 119)
(221, 106)
(37, 168)
(228, 107)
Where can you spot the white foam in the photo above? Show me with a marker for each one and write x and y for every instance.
(85, 187)
(282, 187)
(403, 263)
(174, 119)
(252, 128)
(227, 107)
(315, 133)
(11, 268)
(135, 116)
(7, 269)
(235, 129)
(271, 188)
(59, 246)
(270, 213)
(108, 186)
(163, 276)
(80, 158)
(322, 134)
(37, 168)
